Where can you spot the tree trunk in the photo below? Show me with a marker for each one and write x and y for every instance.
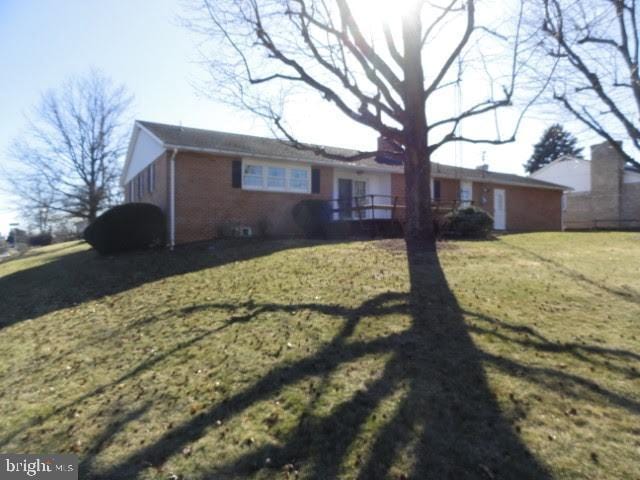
(419, 233)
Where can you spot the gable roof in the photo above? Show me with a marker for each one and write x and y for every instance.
(223, 143)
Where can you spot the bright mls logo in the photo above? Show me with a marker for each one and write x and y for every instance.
(37, 467)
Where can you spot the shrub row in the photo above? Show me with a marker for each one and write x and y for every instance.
(313, 216)
(135, 226)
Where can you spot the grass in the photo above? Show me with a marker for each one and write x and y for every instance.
(515, 358)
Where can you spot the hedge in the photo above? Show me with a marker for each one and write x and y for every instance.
(132, 226)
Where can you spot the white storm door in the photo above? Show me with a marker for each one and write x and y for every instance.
(466, 193)
(499, 209)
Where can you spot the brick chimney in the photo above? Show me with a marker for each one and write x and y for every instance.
(391, 152)
(607, 171)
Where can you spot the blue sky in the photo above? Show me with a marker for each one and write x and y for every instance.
(142, 45)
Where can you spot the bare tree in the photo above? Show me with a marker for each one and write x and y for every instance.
(68, 161)
(597, 46)
(38, 208)
(393, 77)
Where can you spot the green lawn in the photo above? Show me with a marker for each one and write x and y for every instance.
(515, 358)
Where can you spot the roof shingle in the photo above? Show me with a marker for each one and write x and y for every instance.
(174, 136)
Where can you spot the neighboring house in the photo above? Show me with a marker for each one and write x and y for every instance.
(604, 193)
(211, 182)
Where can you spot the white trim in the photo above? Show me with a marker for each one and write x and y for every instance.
(265, 168)
(466, 185)
(504, 208)
(377, 183)
(333, 163)
(500, 182)
(137, 126)
(278, 158)
(351, 166)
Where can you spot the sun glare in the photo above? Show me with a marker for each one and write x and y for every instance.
(373, 13)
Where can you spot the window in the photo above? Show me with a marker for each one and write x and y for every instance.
(140, 186)
(298, 180)
(436, 190)
(151, 178)
(276, 178)
(252, 176)
(466, 193)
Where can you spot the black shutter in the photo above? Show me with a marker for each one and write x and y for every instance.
(436, 189)
(315, 180)
(236, 174)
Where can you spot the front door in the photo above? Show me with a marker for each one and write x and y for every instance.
(499, 209)
(345, 197)
(359, 192)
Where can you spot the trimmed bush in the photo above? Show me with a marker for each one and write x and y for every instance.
(469, 222)
(40, 240)
(312, 216)
(132, 226)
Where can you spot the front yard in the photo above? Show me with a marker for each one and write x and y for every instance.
(518, 358)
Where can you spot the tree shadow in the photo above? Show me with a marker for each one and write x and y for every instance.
(447, 415)
(628, 295)
(82, 276)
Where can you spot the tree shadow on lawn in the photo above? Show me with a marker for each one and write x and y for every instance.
(628, 295)
(447, 418)
(78, 277)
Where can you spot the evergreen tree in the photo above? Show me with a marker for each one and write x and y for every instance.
(554, 143)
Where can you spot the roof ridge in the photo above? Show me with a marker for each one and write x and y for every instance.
(244, 135)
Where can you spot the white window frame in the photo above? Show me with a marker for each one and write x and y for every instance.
(262, 176)
(465, 202)
(265, 166)
(307, 189)
(267, 176)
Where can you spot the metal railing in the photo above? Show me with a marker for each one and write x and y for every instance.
(378, 207)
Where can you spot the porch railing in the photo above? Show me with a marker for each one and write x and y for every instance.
(377, 207)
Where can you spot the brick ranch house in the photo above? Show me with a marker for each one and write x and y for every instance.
(210, 183)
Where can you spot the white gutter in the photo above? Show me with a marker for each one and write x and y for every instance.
(355, 166)
(172, 199)
(328, 163)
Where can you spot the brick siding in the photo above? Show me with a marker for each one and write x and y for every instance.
(206, 202)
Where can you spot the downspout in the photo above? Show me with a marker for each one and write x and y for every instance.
(172, 199)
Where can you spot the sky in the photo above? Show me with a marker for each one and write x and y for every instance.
(143, 45)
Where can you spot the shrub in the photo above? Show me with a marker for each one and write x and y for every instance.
(469, 222)
(131, 226)
(312, 216)
(40, 240)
